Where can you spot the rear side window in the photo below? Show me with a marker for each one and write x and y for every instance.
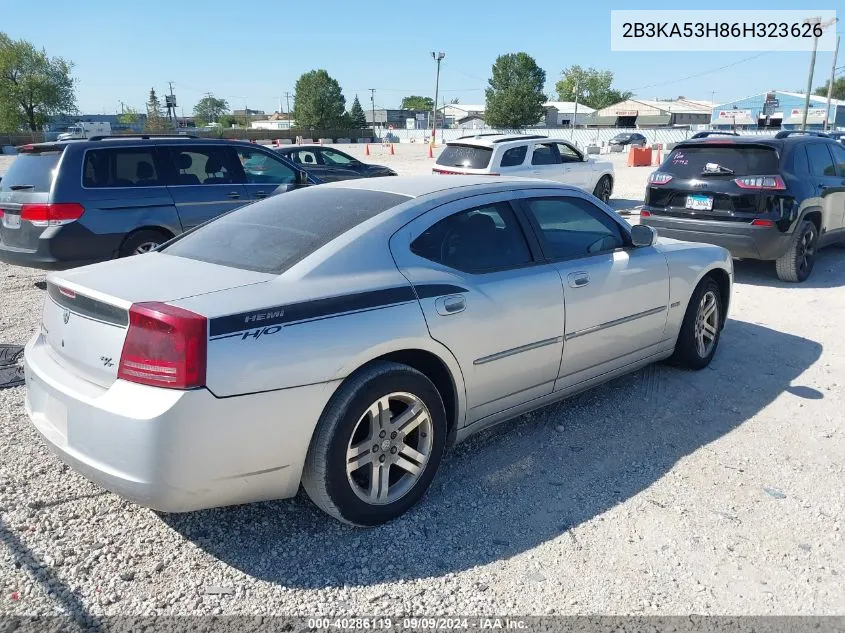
(821, 164)
(839, 157)
(32, 172)
(121, 167)
(515, 156)
(468, 156)
(690, 162)
(272, 235)
(204, 165)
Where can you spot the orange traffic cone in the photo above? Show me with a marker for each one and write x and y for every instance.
(658, 157)
(391, 150)
(367, 151)
(430, 152)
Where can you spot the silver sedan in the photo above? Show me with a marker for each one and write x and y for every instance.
(341, 337)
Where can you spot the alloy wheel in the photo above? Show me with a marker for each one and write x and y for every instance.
(146, 247)
(706, 324)
(389, 449)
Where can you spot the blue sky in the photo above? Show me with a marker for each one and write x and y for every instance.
(252, 53)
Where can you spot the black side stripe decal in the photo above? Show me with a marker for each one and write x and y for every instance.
(322, 308)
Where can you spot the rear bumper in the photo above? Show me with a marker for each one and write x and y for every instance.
(741, 239)
(40, 258)
(170, 450)
(62, 247)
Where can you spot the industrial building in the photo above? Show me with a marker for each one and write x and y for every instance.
(648, 113)
(775, 110)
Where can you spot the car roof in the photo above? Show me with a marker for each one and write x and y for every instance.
(291, 148)
(494, 140)
(418, 186)
(136, 140)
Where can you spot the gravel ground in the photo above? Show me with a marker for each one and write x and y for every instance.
(664, 492)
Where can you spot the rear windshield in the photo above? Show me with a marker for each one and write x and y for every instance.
(468, 156)
(272, 235)
(689, 162)
(31, 172)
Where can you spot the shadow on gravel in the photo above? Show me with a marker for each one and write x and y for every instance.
(828, 271)
(625, 204)
(513, 488)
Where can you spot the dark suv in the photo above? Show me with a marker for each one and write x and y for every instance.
(771, 198)
(71, 203)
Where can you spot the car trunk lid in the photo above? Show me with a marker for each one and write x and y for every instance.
(29, 180)
(86, 311)
(703, 181)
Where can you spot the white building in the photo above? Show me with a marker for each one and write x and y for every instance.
(454, 113)
(565, 114)
(271, 125)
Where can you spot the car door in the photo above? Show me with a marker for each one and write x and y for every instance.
(576, 171)
(545, 162)
(616, 296)
(833, 195)
(333, 158)
(486, 296)
(206, 182)
(265, 174)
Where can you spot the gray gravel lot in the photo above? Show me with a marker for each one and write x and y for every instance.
(663, 492)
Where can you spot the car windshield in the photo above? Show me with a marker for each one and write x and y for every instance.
(470, 156)
(31, 171)
(736, 160)
(272, 235)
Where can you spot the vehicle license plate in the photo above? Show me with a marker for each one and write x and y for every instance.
(699, 203)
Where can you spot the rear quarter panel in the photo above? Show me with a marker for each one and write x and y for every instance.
(688, 264)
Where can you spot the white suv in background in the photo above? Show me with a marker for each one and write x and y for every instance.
(527, 156)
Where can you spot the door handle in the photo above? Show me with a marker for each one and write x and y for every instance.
(233, 194)
(260, 194)
(450, 305)
(579, 279)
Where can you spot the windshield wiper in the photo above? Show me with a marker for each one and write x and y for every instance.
(19, 187)
(717, 169)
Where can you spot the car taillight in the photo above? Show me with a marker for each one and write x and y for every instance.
(55, 214)
(645, 214)
(760, 182)
(762, 223)
(165, 346)
(659, 178)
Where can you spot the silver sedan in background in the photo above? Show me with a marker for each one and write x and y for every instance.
(341, 337)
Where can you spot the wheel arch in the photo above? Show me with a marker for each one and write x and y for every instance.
(723, 278)
(428, 357)
(149, 227)
(814, 215)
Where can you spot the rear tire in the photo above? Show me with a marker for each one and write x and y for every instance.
(142, 241)
(796, 264)
(603, 189)
(377, 446)
(702, 327)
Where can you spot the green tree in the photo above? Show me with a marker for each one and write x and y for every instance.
(209, 109)
(593, 87)
(33, 86)
(515, 96)
(415, 102)
(226, 121)
(155, 120)
(129, 117)
(838, 89)
(356, 114)
(318, 101)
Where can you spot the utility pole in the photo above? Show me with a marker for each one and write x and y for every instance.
(287, 101)
(438, 57)
(830, 85)
(373, 105)
(813, 21)
(575, 116)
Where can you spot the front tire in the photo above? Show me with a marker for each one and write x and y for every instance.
(702, 327)
(377, 445)
(796, 264)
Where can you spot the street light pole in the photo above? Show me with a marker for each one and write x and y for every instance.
(575, 116)
(823, 25)
(438, 57)
(830, 85)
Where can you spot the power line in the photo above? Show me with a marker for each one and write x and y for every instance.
(706, 72)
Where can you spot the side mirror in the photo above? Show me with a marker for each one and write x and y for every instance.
(642, 235)
(301, 178)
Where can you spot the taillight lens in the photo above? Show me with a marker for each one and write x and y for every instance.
(645, 214)
(55, 214)
(165, 347)
(762, 223)
(760, 182)
(659, 178)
